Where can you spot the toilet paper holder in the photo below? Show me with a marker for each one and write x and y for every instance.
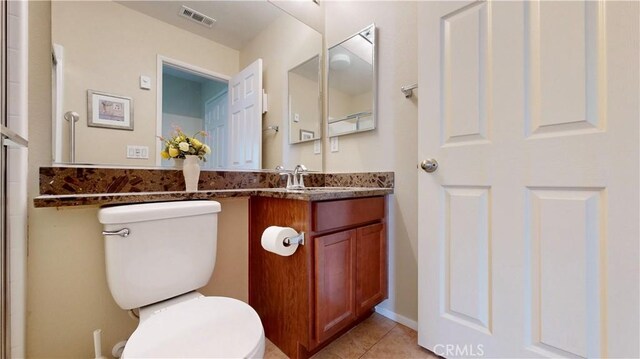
(299, 239)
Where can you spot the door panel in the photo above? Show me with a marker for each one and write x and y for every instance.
(466, 270)
(216, 127)
(464, 91)
(335, 265)
(565, 88)
(528, 229)
(564, 265)
(245, 118)
(371, 267)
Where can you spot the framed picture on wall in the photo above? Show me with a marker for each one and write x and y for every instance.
(306, 135)
(109, 111)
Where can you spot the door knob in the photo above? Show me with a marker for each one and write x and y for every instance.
(429, 165)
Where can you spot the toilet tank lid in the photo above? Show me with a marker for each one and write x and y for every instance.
(155, 211)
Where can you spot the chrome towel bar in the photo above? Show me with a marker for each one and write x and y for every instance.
(72, 117)
(408, 90)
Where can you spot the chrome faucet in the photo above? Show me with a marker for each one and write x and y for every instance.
(284, 172)
(295, 178)
(298, 176)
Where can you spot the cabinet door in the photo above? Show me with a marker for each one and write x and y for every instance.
(335, 264)
(371, 267)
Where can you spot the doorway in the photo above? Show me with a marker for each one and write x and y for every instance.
(193, 100)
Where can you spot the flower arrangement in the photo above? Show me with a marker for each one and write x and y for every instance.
(181, 145)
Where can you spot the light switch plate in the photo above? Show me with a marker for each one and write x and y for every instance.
(317, 147)
(335, 147)
(145, 82)
(137, 152)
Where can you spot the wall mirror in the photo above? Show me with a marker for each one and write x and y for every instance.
(352, 84)
(196, 65)
(305, 102)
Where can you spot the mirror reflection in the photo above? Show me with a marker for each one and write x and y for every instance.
(193, 102)
(192, 65)
(352, 84)
(304, 101)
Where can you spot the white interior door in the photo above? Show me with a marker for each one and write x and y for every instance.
(245, 118)
(215, 123)
(529, 227)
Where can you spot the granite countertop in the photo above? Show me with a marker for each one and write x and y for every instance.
(79, 186)
(309, 194)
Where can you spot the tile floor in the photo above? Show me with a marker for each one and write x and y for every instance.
(376, 337)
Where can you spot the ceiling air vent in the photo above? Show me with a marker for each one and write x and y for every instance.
(196, 16)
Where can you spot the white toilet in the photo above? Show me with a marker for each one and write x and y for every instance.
(157, 255)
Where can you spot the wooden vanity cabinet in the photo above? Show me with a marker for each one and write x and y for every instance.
(371, 267)
(350, 276)
(329, 284)
(335, 271)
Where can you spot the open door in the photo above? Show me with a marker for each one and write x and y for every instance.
(215, 123)
(528, 227)
(245, 118)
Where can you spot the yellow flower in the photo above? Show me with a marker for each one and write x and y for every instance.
(207, 150)
(165, 155)
(173, 152)
(196, 144)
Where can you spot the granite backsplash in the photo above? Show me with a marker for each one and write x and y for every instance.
(90, 180)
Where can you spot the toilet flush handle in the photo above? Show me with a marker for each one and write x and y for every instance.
(124, 232)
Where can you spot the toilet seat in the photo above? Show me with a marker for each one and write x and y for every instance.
(204, 327)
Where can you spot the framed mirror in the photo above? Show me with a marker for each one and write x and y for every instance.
(305, 101)
(180, 64)
(352, 84)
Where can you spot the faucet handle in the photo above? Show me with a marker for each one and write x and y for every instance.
(287, 173)
(301, 168)
(301, 180)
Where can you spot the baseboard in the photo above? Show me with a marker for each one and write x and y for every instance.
(397, 318)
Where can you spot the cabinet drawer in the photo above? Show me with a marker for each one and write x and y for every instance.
(337, 214)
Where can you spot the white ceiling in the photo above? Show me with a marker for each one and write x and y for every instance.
(237, 22)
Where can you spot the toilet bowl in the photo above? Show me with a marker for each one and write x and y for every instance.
(201, 327)
(157, 255)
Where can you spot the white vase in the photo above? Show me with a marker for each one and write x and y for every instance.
(191, 172)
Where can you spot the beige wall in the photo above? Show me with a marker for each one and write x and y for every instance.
(283, 45)
(393, 145)
(107, 47)
(303, 103)
(67, 293)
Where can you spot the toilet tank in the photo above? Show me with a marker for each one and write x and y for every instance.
(170, 249)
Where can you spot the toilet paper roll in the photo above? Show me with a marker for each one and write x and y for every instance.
(273, 240)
